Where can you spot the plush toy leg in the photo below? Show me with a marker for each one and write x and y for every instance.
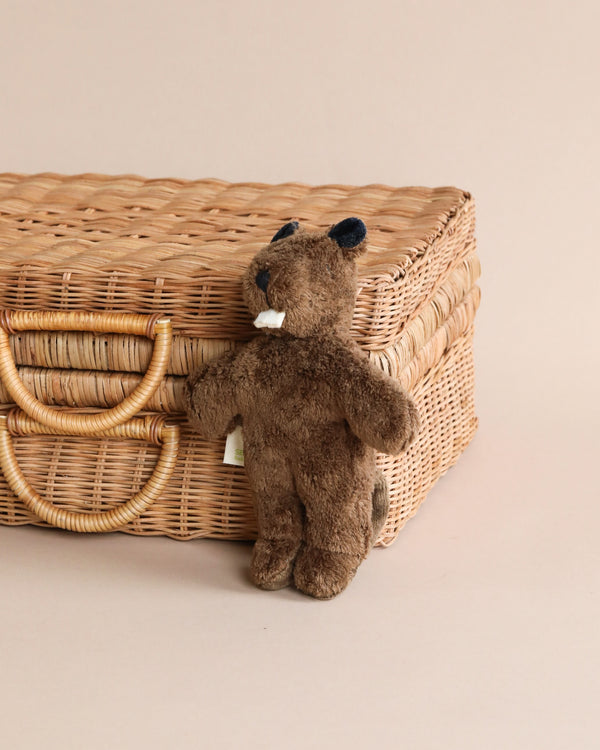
(280, 516)
(338, 534)
(322, 573)
(272, 563)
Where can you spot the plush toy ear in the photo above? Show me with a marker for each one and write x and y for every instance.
(285, 231)
(348, 234)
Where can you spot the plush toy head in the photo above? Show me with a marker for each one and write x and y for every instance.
(304, 283)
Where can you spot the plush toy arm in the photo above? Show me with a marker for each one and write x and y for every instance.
(377, 409)
(209, 395)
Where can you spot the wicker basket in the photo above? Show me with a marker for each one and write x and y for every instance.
(114, 288)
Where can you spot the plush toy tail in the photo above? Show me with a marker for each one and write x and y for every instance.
(381, 504)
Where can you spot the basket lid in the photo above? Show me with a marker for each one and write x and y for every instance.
(180, 247)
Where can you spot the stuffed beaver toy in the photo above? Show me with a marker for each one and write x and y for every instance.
(314, 411)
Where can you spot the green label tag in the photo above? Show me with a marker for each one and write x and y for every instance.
(234, 448)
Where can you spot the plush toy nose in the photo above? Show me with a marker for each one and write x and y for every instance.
(262, 279)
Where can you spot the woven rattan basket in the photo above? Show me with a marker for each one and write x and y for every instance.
(113, 289)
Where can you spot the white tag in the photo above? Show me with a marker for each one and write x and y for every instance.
(234, 448)
(269, 319)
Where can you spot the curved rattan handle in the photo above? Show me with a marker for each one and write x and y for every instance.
(151, 429)
(152, 326)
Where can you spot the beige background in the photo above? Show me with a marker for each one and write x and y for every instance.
(479, 627)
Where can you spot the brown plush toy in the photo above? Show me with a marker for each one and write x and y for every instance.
(314, 411)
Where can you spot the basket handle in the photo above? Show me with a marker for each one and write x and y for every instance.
(153, 326)
(151, 429)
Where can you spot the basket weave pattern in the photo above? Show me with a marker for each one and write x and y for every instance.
(93, 242)
(177, 249)
(206, 498)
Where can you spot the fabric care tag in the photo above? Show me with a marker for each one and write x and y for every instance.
(234, 448)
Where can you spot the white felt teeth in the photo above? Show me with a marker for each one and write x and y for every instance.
(269, 319)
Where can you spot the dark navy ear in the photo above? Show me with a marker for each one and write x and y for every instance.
(285, 231)
(348, 233)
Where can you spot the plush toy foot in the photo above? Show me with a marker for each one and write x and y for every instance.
(272, 563)
(322, 573)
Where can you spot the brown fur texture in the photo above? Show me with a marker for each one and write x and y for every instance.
(314, 411)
